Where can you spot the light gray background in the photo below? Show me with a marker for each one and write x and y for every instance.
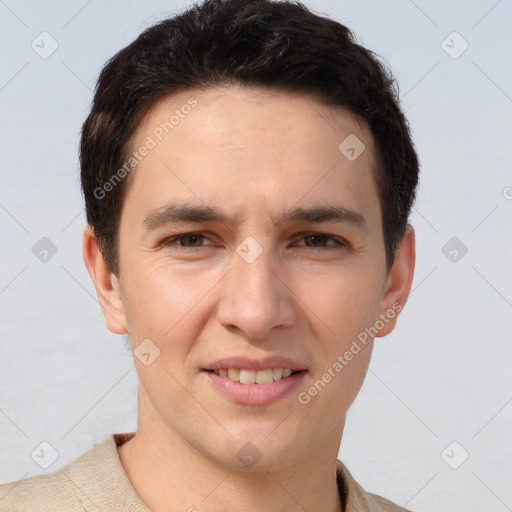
(442, 376)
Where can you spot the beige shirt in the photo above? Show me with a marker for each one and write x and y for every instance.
(96, 481)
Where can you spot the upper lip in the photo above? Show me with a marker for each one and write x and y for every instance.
(246, 363)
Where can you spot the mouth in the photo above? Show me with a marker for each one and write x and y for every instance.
(255, 381)
(254, 387)
(249, 376)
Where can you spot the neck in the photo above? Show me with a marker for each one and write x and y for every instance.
(171, 476)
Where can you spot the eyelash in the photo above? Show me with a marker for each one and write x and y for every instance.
(339, 244)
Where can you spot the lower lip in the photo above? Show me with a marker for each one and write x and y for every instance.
(255, 394)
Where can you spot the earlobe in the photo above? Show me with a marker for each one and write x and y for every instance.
(105, 282)
(398, 284)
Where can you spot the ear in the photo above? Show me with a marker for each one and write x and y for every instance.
(105, 282)
(398, 283)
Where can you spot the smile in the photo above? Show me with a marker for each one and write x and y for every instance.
(248, 376)
(254, 387)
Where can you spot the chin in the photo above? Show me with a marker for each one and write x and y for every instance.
(257, 449)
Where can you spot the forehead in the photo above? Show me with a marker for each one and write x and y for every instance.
(240, 143)
(229, 110)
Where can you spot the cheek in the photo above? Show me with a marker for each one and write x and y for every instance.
(344, 301)
(343, 307)
(163, 301)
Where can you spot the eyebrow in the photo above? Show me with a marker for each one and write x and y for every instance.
(182, 212)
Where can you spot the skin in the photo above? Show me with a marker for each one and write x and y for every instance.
(252, 153)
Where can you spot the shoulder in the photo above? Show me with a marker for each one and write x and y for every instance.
(52, 491)
(40, 493)
(386, 505)
(357, 499)
(77, 487)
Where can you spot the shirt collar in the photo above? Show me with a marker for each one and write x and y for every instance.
(118, 494)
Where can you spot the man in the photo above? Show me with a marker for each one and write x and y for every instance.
(248, 176)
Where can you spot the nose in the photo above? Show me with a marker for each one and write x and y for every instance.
(255, 298)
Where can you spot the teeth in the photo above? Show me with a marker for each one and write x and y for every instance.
(247, 376)
(278, 373)
(265, 376)
(234, 374)
(244, 376)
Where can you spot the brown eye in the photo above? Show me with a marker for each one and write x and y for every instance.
(187, 241)
(323, 242)
(194, 239)
(316, 240)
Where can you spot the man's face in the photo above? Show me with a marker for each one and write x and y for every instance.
(261, 289)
